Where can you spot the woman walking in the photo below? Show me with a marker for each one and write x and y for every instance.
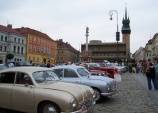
(150, 73)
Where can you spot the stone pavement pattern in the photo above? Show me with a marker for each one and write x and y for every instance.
(132, 97)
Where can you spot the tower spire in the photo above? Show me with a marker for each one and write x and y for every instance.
(126, 30)
(126, 23)
(125, 12)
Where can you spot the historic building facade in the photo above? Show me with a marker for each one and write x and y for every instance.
(120, 51)
(66, 53)
(41, 49)
(150, 50)
(139, 55)
(12, 42)
(106, 51)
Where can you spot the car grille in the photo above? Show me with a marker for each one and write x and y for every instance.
(87, 103)
(112, 86)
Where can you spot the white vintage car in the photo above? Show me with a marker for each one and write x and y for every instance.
(38, 90)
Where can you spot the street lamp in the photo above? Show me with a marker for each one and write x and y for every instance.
(111, 12)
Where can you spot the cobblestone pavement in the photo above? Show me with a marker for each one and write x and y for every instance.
(132, 97)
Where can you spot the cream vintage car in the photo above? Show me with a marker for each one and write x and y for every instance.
(38, 90)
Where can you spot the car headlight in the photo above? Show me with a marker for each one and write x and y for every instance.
(99, 74)
(73, 103)
(92, 92)
(108, 87)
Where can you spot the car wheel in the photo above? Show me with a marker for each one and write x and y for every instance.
(97, 94)
(48, 108)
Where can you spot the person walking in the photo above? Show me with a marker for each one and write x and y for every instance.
(144, 66)
(156, 72)
(150, 74)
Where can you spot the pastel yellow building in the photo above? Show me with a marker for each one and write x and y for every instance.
(41, 49)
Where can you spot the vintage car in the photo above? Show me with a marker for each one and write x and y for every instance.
(3, 66)
(110, 71)
(39, 90)
(103, 86)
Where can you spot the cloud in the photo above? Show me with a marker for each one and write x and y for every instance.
(68, 19)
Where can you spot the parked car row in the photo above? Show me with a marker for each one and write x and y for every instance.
(101, 69)
(60, 89)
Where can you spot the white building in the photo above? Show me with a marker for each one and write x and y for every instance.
(139, 55)
(155, 46)
(12, 42)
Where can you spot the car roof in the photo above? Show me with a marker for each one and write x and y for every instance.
(67, 66)
(26, 69)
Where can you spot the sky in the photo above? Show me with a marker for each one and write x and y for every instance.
(68, 19)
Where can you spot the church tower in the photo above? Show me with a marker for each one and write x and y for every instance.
(126, 30)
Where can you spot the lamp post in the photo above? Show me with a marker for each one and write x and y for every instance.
(87, 34)
(111, 12)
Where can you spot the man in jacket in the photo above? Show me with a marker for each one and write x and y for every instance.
(150, 73)
(156, 72)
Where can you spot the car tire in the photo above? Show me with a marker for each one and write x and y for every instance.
(97, 94)
(48, 107)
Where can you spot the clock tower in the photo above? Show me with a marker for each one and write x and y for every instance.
(126, 31)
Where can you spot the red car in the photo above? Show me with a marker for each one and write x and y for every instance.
(109, 71)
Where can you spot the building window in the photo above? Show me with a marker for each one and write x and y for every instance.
(19, 40)
(22, 50)
(18, 50)
(37, 59)
(22, 41)
(14, 49)
(0, 48)
(29, 58)
(5, 48)
(33, 58)
(1, 37)
(6, 38)
(15, 39)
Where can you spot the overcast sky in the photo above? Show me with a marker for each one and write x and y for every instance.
(67, 19)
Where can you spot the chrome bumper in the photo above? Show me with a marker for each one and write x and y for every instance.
(109, 93)
(84, 109)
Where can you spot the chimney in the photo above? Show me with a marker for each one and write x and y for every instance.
(9, 26)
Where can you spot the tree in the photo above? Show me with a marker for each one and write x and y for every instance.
(10, 56)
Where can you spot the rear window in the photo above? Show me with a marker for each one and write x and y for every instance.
(7, 77)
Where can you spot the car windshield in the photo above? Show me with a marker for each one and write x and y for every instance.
(94, 65)
(83, 72)
(44, 76)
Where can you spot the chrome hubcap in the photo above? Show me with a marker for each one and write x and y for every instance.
(97, 94)
(49, 109)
